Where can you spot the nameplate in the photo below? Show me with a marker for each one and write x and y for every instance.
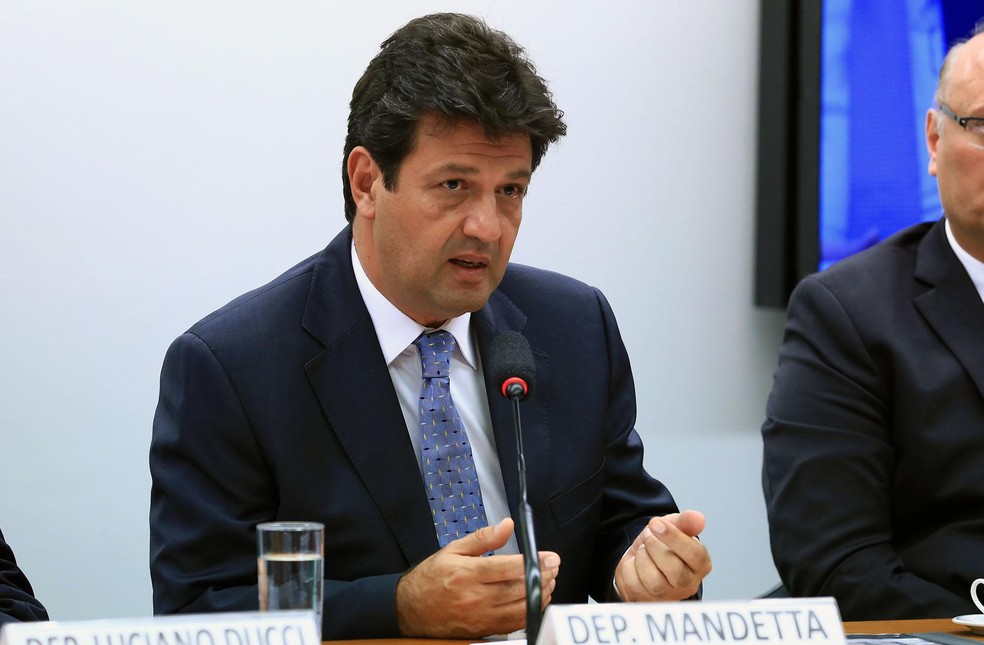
(239, 628)
(813, 621)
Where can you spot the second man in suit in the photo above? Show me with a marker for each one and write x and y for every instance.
(874, 441)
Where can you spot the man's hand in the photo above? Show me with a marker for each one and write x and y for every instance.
(456, 593)
(666, 561)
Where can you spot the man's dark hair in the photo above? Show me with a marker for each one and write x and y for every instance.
(457, 68)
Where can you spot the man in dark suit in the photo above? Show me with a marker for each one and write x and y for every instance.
(299, 400)
(17, 601)
(874, 441)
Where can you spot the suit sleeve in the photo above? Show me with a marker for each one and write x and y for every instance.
(630, 496)
(211, 486)
(829, 467)
(17, 601)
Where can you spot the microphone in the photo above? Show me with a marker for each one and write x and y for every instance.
(511, 365)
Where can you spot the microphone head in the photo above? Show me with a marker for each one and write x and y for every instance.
(511, 364)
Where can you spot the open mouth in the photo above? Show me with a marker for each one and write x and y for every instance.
(467, 264)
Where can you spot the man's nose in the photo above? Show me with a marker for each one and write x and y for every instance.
(482, 219)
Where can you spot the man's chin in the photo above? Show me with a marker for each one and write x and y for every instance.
(467, 303)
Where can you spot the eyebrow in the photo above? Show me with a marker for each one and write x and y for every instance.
(471, 170)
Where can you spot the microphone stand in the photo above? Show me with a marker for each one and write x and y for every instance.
(531, 560)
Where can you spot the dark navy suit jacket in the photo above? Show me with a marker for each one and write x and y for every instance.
(279, 406)
(17, 601)
(874, 443)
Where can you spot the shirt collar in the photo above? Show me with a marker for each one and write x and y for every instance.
(396, 331)
(974, 267)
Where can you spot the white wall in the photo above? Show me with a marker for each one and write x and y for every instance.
(158, 158)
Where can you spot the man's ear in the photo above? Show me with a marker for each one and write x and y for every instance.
(932, 139)
(363, 174)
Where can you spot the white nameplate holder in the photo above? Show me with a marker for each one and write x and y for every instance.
(238, 628)
(791, 621)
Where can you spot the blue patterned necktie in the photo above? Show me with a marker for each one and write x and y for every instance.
(446, 456)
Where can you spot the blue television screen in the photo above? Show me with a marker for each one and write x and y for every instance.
(880, 61)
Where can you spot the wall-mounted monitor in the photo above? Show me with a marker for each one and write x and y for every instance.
(842, 163)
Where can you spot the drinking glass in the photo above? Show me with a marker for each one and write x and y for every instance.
(290, 566)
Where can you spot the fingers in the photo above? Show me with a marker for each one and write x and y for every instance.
(510, 591)
(629, 583)
(662, 572)
(665, 562)
(548, 590)
(453, 594)
(446, 595)
(549, 570)
(485, 539)
(500, 568)
(508, 574)
(690, 522)
(549, 565)
(679, 543)
(508, 569)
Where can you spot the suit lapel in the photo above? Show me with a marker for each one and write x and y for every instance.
(500, 315)
(356, 392)
(952, 307)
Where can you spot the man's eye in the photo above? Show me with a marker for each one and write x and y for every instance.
(452, 184)
(513, 190)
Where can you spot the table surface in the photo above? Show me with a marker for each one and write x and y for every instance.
(944, 625)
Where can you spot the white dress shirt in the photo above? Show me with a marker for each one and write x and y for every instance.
(975, 268)
(396, 333)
